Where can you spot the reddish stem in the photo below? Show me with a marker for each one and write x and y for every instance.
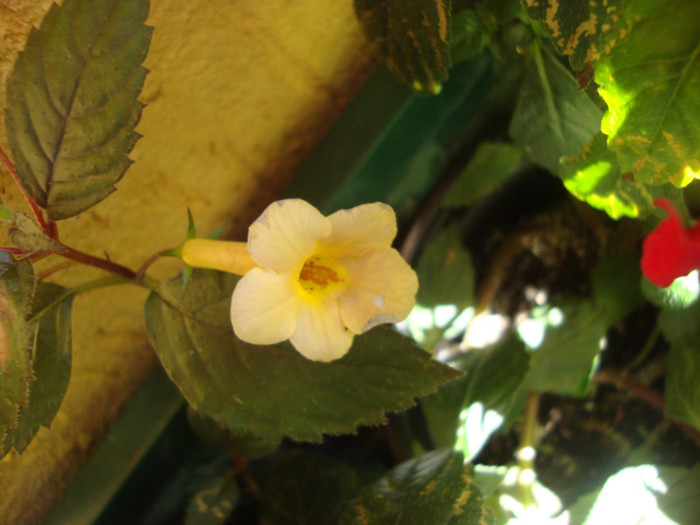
(653, 398)
(14, 251)
(104, 264)
(50, 231)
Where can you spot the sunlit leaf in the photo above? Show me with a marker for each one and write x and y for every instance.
(274, 391)
(650, 81)
(492, 376)
(682, 387)
(16, 289)
(552, 119)
(213, 503)
(491, 165)
(72, 102)
(679, 500)
(433, 488)
(50, 333)
(307, 488)
(411, 37)
(648, 494)
(579, 29)
(445, 271)
(564, 361)
(594, 177)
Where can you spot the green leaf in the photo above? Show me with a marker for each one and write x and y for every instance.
(682, 387)
(579, 29)
(564, 361)
(16, 289)
(679, 502)
(594, 177)
(648, 494)
(213, 503)
(552, 119)
(492, 377)
(433, 488)
(307, 488)
(274, 391)
(72, 102)
(615, 282)
(680, 326)
(682, 293)
(246, 446)
(50, 331)
(27, 235)
(411, 37)
(491, 165)
(445, 271)
(650, 81)
(471, 31)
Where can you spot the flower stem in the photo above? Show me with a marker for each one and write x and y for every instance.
(526, 451)
(50, 229)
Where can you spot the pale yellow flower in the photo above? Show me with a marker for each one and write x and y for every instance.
(317, 281)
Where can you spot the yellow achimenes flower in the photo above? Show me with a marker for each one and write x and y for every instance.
(317, 281)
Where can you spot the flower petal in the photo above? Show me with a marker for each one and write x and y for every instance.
(285, 234)
(360, 229)
(382, 290)
(264, 307)
(320, 333)
(670, 251)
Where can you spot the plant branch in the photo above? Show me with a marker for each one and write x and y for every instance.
(646, 394)
(50, 229)
(97, 262)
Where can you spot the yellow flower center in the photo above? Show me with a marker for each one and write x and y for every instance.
(322, 278)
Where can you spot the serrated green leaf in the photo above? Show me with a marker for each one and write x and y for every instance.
(579, 29)
(434, 488)
(72, 102)
(51, 347)
(552, 119)
(274, 391)
(650, 81)
(491, 165)
(411, 37)
(682, 387)
(307, 488)
(245, 446)
(213, 503)
(445, 271)
(595, 177)
(16, 289)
